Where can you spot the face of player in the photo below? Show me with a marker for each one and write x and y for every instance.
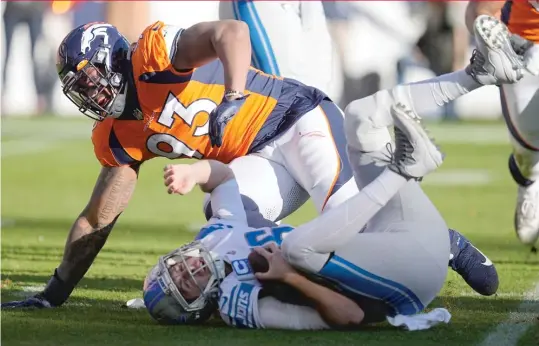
(190, 277)
(89, 86)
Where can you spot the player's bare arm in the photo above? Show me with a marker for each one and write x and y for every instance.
(227, 40)
(477, 8)
(111, 194)
(208, 174)
(337, 310)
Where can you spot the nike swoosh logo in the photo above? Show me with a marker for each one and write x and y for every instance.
(487, 262)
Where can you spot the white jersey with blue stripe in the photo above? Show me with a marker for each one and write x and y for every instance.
(239, 291)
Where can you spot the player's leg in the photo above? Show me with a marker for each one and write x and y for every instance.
(403, 250)
(369, 151)
(520, 103)
(495, 62)
(289, 39)
(269, 193)
(313, 150)
(309, 245)
(404, 265)
(275, 27)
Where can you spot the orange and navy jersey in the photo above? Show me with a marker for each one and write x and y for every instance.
(176, 105)
(522, 18)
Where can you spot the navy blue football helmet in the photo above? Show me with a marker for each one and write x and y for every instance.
(92, 64)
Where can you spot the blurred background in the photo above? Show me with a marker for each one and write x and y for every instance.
(378, 44)
(48, 170)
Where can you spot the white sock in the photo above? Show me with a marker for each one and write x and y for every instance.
(426, 97)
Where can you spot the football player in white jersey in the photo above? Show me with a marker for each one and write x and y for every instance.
(424, 97)
(388, 242)
(214, 272)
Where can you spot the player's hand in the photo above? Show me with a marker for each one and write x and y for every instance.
(32, 302)
(278, 266)
(220, 117)
(179, 179)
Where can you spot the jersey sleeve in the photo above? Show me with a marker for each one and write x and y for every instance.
(226, 203)
(100, 140)
(155, 48)
(274, 314)
(119, 144)
(238, 303)
(241, 307)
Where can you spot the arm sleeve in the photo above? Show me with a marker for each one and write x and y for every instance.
(274, 314)
(226, 202)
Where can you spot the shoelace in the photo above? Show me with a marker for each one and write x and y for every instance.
(476, 66)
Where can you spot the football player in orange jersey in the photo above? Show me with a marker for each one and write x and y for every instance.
(520, 104)
(191, 93)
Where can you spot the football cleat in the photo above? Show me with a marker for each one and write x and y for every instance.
(415, 154)
(527, 214)
(494, 62)
(472, 265)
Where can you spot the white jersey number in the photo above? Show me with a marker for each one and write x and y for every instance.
(264, 236)
(175, 109)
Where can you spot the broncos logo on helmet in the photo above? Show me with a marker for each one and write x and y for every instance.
(92, 65)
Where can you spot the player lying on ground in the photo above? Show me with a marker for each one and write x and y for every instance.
(403, 263)
(389, 242)
(520, 105)
(502, 66)
(122, 89)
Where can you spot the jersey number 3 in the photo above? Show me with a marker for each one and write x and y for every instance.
(174, 108)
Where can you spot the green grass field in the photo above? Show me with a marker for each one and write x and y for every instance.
(49, 169)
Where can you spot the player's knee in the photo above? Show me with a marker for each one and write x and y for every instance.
(290, 250)
(296, 253)
(366, 121)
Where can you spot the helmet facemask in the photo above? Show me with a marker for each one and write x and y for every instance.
(95, 88)
(181, 309)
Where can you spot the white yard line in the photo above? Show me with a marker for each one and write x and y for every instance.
(31, 140)
(459, 177)
(472, 134)
(31, 136)
(26, 146)
(509, 332)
